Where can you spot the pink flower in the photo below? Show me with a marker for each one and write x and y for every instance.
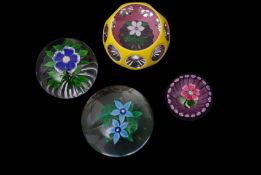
(190, 92)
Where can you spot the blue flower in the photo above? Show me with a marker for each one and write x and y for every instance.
(118, 130)
(122, 110)
(66, 60)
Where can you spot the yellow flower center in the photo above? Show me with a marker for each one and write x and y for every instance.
(66, 59)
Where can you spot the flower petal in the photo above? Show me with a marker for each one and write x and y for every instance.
(58, 56)
(196, 92)
(141, 28)
(115, 112)
(132, 32)
(130, 27)
(127, 105)
(124, 133)
(59, 67)
(115, 123)
(70, 66)
(191, 86)
(111, 130)
(139, 24)
(129, 114)
(124, 125)
(122, 118)
(68, 51)
(116, 138)
(134, 23)
(138, 33)
(118, 104)
(194, 97)
(75, 58)
(185, 88)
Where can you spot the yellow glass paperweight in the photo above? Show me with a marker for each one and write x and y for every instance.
(136, 36)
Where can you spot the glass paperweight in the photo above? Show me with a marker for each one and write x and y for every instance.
(136, 36)
(189, 97)
(66, 68)
(117, 121)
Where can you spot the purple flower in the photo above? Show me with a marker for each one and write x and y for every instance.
(118, 130)
(66, 60)
(122, 110)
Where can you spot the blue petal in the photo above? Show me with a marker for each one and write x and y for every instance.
(70, 66)
(116, 138)
(129, 114)
(68, 51)
(115, 112)
(124, 133)
(58, 57)
(115, 123)
(124, 125)
(60, 66)
(118, 104)
(74, 58)
(127, 105)
(111, 130)
(122, 118)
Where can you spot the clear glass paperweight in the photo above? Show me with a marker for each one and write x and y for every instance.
(117, 121)
(66, 68)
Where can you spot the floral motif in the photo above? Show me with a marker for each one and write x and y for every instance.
(135, 61)
(126, 11)
(158, 52)
(189, 95)
(120, 119)
(136, 35)
(118, 130)
(122, 110)
(114, 53)
(66, 60)
(190, 92)
(136, 28)
(146, 13)
(64, 64)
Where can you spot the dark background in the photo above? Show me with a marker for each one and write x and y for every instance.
(207, 39)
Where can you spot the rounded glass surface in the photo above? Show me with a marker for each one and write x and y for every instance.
(135, 27)
(117, 121)
(66, 68)
(189, 97)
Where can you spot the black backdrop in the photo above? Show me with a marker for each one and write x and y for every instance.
(204, 41)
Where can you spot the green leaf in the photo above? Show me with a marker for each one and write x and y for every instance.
(51, 82)
(78, 70)
(56, 85)
(108, 109)
(49, 64)
(83, 53)
(137, 114)
(106, 122)
(49, 54)
(102, 116)
(68, 42)
(128, 23)
(132, 125)
(77, 46)
(131, 107)
(182, 100)
(130, 138)
(144, 24)
(58, 47)
(190, 103)
(55, 75)
(84, 62)
(76, 82)
(83, 78)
